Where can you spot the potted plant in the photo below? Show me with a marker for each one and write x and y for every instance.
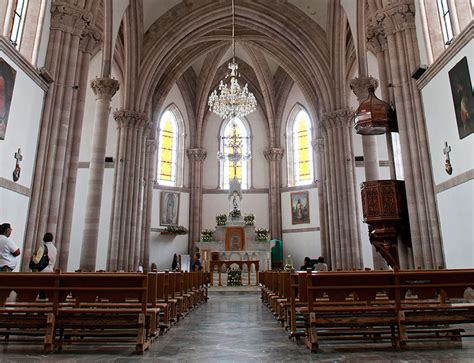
(249, 220)
(175, 230)
(234, 276)
(235, 214)
(221, 219)
(262, 234)
(207, 235)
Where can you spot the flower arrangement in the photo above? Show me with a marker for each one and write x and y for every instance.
(235, 213)
(207, 235)
(262, 234)
(234, 276)
(249, 220)
(175, 230)
(221, 219)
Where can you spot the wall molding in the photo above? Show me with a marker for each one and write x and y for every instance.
(457, 44)
(455, 181)
(86, 165)
(226, 191)
(171, 188)
(23, 63)
(14, 187)
(300, 187)
(299, 230)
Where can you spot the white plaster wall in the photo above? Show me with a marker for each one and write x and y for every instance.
(162, 247)
(302, 244)
(252, 203)
(21, 133)
(79, 215)
(455, 205)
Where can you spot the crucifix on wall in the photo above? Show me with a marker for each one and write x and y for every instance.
(447, 163)
(17, 170)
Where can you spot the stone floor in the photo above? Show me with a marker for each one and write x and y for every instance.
(234, 326)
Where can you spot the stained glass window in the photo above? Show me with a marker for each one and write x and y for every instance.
(445, 19)
(18, 22)
(302, 150)
(167, 149)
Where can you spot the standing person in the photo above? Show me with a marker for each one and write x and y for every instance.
(321, 265)
(9, 251)
(52, 252)
(196, 262)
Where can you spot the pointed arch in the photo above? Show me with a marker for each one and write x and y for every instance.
(299, 131)
(170, 160)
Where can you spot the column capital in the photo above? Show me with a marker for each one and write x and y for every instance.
(273, 153)
(105, 88)
(397, 17)
(337, 119)
(151, 146)
(376, 38)
(91, 38)
(69, 18)
(129, 118)
(196, 154)
(360, 87)
(318, 145)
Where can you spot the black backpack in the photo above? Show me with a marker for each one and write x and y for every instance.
(42, 263)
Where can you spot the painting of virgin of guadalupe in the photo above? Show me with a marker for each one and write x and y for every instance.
(169, 208)
(461, 88)
(7, 81)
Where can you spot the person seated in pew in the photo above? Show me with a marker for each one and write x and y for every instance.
(321, 265)
(307, 264)
(196, 264)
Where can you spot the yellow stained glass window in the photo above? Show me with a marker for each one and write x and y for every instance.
(303, 160)
(167, 153)
(234, 139)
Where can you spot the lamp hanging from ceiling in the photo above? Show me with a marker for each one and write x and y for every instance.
(230, 100)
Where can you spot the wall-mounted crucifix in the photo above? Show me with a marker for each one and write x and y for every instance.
(447, 163)
(17, 170)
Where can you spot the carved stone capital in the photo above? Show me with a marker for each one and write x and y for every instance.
(151, 146)
(376, 38)
(318, 145)
(397, 17)
(360, 86)
(91, 38)
(104, 88)
(337, 119)
(196, 154)
(273, 153)
(69, 18)
(129, 118)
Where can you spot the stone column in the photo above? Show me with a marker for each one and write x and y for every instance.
(398, 22)
(104, 89)
(318, 146)
(125, 222)
(343, 217)
(274, 156)
(68, 23)
(196, 157)
(150, 164)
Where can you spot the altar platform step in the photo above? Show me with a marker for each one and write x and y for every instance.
(233, 290)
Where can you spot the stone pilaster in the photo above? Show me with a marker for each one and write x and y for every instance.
(125, 227)
(196, 158)
(60, 130)
(345, 246)
(104, 89)
(274, 156)
(398, 22)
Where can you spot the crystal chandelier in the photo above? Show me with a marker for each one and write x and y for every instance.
(233, 148)
(232, 100)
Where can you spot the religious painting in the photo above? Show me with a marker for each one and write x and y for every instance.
(461, 88)
(169, 208)
(235, 239)
(299, 207)
(7, 81)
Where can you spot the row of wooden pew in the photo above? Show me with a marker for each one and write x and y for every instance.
(371, 306)
(59, 309)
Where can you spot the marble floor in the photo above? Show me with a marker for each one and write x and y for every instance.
(234, 326)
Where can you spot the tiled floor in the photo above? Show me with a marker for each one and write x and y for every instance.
(235, 326)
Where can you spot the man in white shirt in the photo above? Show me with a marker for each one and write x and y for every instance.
(9, 251)
(52, 252)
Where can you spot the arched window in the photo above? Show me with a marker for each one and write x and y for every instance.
(445, 19)
(19, 15)
(300, 153)
(234, 136)
(170, 148)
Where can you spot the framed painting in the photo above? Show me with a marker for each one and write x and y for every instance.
(169, 208)
(299, 207)
(461, 89)
(7, 82)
